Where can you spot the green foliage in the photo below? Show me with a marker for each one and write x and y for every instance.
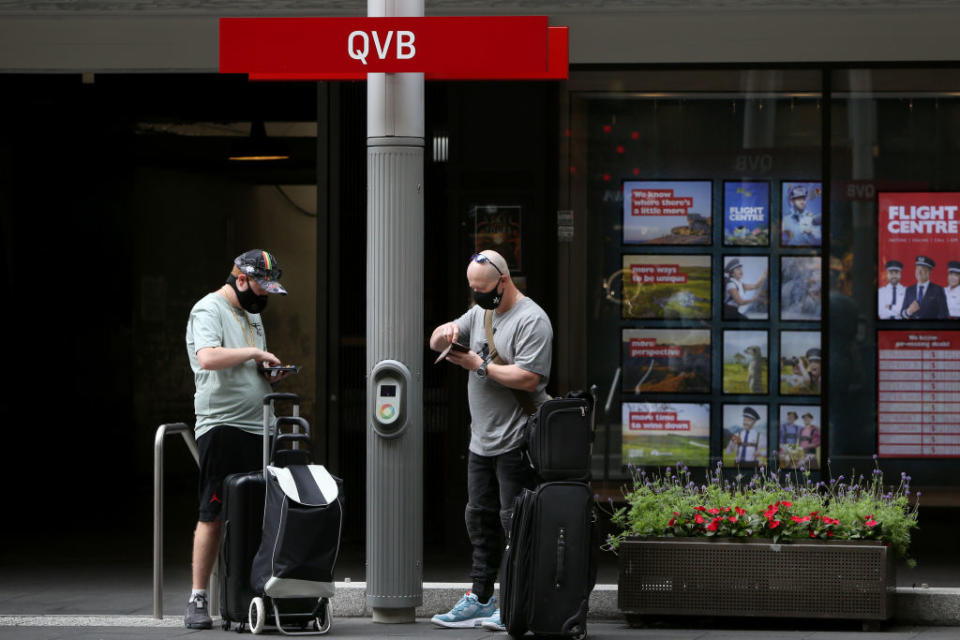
(770, 505)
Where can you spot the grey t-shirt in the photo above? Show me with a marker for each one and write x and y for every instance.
(523, 336)
(231, 396)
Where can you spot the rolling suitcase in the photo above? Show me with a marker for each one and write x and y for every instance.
(242, 523)
(560, 438)
(550, 564)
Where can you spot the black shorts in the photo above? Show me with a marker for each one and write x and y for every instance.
(224, 450)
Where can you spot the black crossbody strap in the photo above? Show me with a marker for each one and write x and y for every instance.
(526, 402)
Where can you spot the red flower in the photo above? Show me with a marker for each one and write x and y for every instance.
(799, 519)
(675, 513)
(829, 534)
(698, 519)
(700, 508)
(871, 523)
(740, 511)
(813, 513)
(771, 511)
(812, 534)
(672, 520)
(786, 504)
(774, 524)
(732, 518)
(712, 526)
(713, 511)
(726, 509)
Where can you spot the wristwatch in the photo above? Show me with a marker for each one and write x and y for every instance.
(482, 370)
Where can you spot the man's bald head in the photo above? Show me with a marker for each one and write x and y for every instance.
(487, 271)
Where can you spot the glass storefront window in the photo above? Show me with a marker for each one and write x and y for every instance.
(895, 383)
(704, 303)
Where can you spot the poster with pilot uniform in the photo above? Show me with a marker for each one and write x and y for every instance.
(918, 256)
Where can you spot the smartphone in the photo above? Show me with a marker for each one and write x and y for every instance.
(454, 346)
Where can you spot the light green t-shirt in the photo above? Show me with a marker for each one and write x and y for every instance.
(231, 396)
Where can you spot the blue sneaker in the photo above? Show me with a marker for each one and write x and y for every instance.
(469, 612)
(494, 623)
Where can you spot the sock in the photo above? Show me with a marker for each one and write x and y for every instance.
(483, 591)
(195, 593)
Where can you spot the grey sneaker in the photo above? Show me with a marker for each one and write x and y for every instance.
(198, 614)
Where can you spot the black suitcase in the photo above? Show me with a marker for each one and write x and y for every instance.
(560, 438)
(550, 563)
(242, 518)
(242, 523)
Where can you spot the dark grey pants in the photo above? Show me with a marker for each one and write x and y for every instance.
(492, 484)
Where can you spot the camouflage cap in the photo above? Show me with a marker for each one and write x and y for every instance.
(261, 266)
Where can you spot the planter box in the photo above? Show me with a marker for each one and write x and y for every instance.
(754, 577)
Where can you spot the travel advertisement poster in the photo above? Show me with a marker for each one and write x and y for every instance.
(918, 238)
(666, 286)
(744, 434)
(667, 212)
(801, 214)
(746, 214)
(665, 360)
(665, 433)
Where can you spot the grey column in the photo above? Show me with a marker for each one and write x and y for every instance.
(394, 507)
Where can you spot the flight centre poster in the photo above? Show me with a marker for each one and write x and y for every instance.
(667, 212)
(665, 433)
(746, 214)
(918, 252)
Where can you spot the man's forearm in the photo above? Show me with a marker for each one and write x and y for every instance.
(216, 358)
(510, 375)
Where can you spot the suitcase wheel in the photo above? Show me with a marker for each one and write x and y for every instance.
(578, 633)
(257, 615)
(325, 619)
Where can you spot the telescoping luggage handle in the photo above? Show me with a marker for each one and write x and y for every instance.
(268, 401)
(300, 434)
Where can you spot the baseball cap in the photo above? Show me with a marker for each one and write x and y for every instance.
(261, 266)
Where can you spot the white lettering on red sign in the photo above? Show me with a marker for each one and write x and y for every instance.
(923, 220)
(657, 274)
(358, 44)
(658, 202)
(657, 421)
(648, 348)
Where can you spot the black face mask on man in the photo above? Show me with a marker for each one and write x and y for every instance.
(489, 300)
(248, 299)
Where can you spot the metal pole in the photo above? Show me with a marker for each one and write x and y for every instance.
(394, 507)
(187, 433)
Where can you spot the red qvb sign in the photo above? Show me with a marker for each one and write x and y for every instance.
(462, 48)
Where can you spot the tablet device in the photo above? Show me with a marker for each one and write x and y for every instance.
(288, 368)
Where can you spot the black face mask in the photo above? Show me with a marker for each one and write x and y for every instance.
(488, 299)
(249, 301)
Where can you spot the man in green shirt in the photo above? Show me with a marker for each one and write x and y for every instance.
(227, 348)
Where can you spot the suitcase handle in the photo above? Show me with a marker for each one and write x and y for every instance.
(561, 558)
(290, 437)
(270, 397)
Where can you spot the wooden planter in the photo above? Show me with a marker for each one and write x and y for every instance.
(754, 577)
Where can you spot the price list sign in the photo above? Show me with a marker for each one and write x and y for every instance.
(918, 394)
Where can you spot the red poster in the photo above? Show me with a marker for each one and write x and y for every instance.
(919, 256)
(918, 394)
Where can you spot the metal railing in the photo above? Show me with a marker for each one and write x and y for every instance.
(162, 432)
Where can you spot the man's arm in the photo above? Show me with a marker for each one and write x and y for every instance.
(509, 375)
(217, 358)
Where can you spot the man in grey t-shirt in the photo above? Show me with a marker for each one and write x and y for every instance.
(497, 470)
(227, 348)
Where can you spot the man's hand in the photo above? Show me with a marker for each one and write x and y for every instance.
(266, 359)
(913, 308)
(444, 335)
(468, 360)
